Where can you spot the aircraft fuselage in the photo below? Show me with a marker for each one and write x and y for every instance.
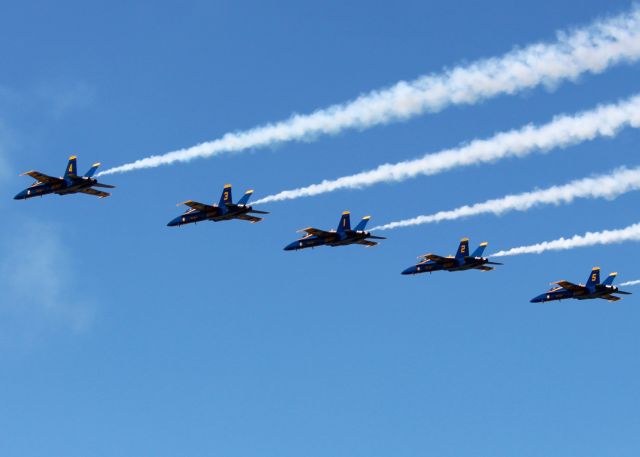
(589, 293)
(68, 186)
(222, 214)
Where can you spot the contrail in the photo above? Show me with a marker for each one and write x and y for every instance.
(562, 131)
(605, 186)
(630, 283)
(631, 233)
(591, 49)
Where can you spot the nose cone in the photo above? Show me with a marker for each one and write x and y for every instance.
(538, 299)
(175, 222)
(21, 195)
(411, 270)
(292, 246)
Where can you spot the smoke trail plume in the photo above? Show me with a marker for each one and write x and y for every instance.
(606, 186)
(630, 283)
(631, 233)
(591, 49)
(562, 131)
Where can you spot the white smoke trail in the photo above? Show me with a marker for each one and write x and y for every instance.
(631, 233)
(630, 283)
(605, 186)
(591, 49)
(562, 131)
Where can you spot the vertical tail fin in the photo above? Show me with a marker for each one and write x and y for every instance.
(362, 224)
(594, 277)
(72, 167)
(480, 250)
(610, 279)
(463, 249)
(345, 222)
(92, 170)
(225, 198)
(245, 198)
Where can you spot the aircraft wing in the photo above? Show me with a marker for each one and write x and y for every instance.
(367, 243)
(569, 286)
(483, 268)
(97, 193)
(199, 206)
(316, 232)
(41, 177)
(611, 298)
(246, 217)
(435, 258)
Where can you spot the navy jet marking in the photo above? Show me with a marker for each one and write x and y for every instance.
(592, 289)
(461, 261)
(70, 183)
(225, 210)
(342, 236)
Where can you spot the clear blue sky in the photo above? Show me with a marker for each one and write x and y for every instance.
(121, 336)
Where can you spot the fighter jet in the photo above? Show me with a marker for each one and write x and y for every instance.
(70, 183)
(225, 210)
(592, 289)
(342, 236)
(461, 261)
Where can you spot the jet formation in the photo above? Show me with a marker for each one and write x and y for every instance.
(592, 289)
(460, 262)
(343, 235)
(70, 183)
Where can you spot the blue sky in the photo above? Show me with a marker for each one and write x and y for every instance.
(121, 336)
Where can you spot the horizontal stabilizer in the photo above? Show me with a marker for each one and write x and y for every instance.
(107, 186)
(258, 211)
(376, 237)
(97, 193)
(246, 217)
(367, 243)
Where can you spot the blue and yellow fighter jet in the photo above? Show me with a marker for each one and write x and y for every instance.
(70, 183)
(461, 261)
(342, 236)
(225, 210)
(592, 289)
